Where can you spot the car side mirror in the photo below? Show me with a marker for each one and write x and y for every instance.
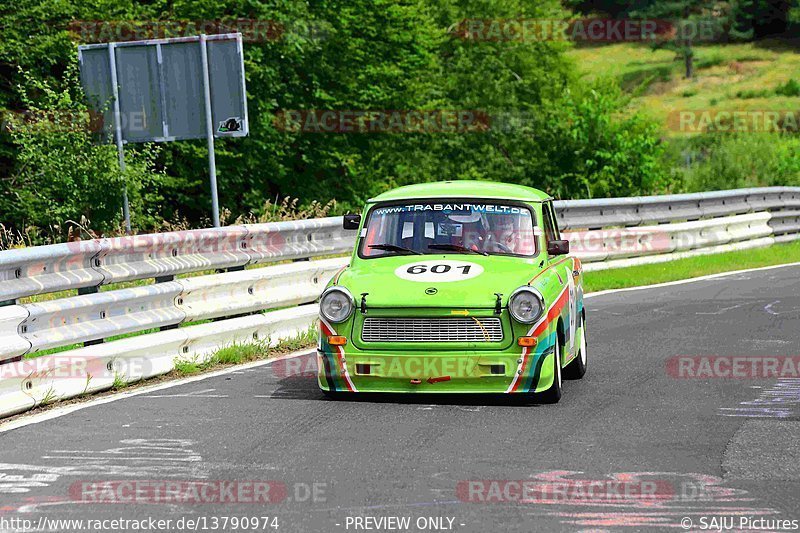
(558, 247)
(351, 221)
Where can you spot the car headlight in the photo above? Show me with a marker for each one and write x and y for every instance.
(336, 304)
(526, 305)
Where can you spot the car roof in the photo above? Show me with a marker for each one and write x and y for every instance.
(464, 189)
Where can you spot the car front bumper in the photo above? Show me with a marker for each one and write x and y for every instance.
(516, 370)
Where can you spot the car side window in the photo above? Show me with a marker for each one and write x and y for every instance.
(554, 222)
(549, 229)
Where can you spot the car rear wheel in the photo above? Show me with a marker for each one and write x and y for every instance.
(577, 367)
(553, 394)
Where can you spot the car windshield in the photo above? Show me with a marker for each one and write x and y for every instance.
(449, 226)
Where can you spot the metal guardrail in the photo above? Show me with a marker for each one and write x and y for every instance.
(31, 382)
(639, 210)
(785, 225)
(81, 264)
(641, 241)
(85, 264)
(667, 242)
(29, 328)
(604, 233)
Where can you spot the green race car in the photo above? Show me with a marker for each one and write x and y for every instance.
(456, 286)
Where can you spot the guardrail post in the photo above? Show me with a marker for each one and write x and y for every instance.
(90, 290)
(166, 279)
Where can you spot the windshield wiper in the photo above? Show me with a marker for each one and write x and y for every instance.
(393, 248)
(455, 248)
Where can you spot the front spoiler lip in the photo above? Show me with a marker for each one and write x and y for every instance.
(401, 383)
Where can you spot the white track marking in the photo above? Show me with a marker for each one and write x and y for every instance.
(768, 309)
(690, 280)
(142, 458)
(720, 311)
(194, 394)
(58, 412)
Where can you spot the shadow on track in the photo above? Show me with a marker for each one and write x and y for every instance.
(304, 387)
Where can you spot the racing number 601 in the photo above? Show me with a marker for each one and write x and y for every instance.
(437, 269)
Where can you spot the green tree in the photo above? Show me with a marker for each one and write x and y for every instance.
(62, 175)
(690, 18)
(612, 8)
(757, 19)
(547, 127)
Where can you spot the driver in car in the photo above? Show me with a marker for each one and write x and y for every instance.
(502, 236)
(473, 232)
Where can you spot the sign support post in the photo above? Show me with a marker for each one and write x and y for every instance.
(112, 63)
(176, 90)
(212, 163)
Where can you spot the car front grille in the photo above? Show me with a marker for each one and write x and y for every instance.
(455, 329)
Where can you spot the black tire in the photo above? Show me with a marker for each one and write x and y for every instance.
(577, 367)
(553, 394)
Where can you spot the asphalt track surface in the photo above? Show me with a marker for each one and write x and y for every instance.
(661, 449)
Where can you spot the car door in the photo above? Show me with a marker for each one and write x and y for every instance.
(562, 268)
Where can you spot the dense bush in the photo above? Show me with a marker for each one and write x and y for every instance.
(63, 179)
(729, 161)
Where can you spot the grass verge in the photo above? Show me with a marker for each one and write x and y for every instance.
(236, 354)
(229, 355)
(692, 267)
(225, 357)
(745, 76)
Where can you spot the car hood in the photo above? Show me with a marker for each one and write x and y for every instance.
(449, 280)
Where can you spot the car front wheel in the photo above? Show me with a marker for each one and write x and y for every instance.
(553, 394)
(577, 367)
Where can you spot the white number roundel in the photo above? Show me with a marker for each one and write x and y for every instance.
(438, 270)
